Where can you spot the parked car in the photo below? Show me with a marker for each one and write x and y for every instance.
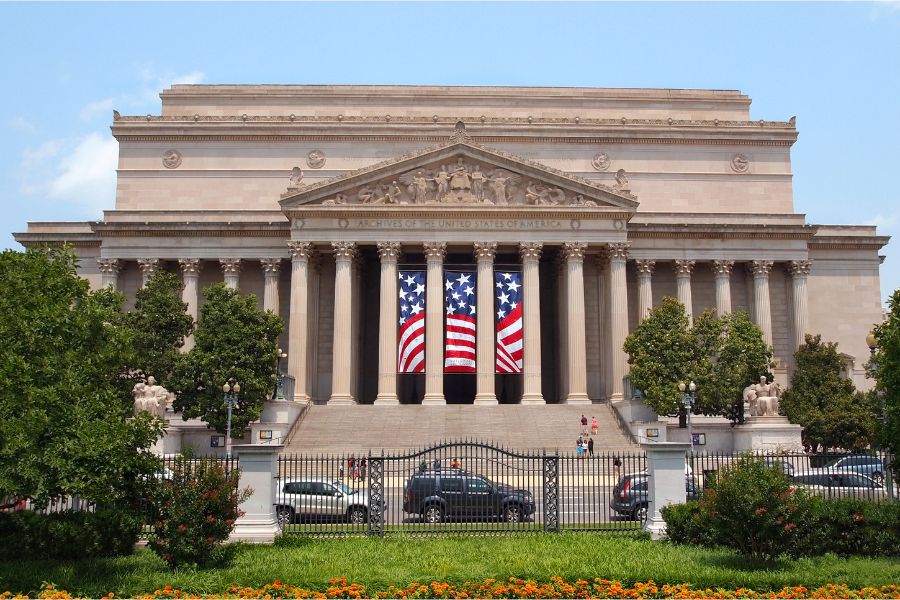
(320, 499)
(454, 493)
(824, 483)
(781, 464)
(630, 495)
(864, 464)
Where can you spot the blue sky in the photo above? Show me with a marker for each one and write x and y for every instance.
(836, 66)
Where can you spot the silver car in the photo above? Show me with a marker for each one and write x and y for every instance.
(864, 464)
(319, 498)
(851, 485)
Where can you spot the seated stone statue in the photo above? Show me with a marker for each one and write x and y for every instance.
(150, 397)
(762, 398)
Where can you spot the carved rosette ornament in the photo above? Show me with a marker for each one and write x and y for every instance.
(722, 268)
(574, 251)
(148, 266)
(530, 250)
(300, 250)
(435, 250)
(389, 251)
(344, 250)
(315, 159)
(189, 266)
(644, 266)
(740, 163)
(618, 250)
(684, 268)
(230, 266)
(171, 159)
(800, 268)
(109, 266)
(485, 250)
(761, 268)
(270, 266)
(601, 161)
(460, 134)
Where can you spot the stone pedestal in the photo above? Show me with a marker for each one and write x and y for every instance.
(258, 470)
(767, 433)
(666, 468)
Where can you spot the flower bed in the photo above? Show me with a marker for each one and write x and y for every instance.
(512, 588)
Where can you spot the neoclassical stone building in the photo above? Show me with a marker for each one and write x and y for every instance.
(606, 200)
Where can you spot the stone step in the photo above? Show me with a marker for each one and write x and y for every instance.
(356, 428)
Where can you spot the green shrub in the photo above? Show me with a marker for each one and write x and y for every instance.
(848, 527)
(68, 535)
(193, 513)
(687, 524)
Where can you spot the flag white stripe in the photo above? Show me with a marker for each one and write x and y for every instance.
(512, 328)
(413, 347)
(452, 335)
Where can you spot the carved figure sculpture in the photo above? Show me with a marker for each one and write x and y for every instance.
(150, 397)
(365, 194)
(338, 199)
(533, 193)
(498, 187)
(600, 161)
(478, 183)
(442, 179)
(417, 186)
(621, 179)
(459, 178)
(762, 398)
(296, 178)
(579, 200)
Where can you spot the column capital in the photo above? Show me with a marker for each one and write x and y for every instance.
(230, 266)
(618, 250)
(189, 266)
(300, 250)
(435, 250)
(389, 251)
(530, 250)
(148, 266)
(644, 266)
(344, 250)
(109, 266)
(485, 250)
(684, 267)
(761, 268)
(270, 266)
(574, 251)
(800, 268)
(722, 268)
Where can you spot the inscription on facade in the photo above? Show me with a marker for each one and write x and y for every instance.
(484, 224)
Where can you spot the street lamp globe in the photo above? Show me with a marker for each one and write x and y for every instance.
(871, 341)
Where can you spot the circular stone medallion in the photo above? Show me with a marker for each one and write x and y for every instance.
(316, 159)
(600, 161)
(171, 159)
(740, 163)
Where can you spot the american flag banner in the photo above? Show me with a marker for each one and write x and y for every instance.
(459, 348)
(411, 329)
(510, 346)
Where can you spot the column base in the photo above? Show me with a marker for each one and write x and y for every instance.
(341, 400)
(301, 398)
(533, 399)
(387, 399)
(259, 530)
(578, 399)
(656, 525)
(434, 399)
(486, 399)
(616, 397)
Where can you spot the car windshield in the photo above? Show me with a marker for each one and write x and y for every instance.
(342, 487)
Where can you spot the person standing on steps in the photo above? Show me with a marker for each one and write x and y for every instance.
(590, 446)
(579, 447)
(594, 426)
(583, 425)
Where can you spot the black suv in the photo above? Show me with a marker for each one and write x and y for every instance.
(630, 495)
(440, 494)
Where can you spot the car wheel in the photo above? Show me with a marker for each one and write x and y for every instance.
(356, 515)
(513, 513)
(284, 515)
(433, 514)
(640, 513)
(878, 478)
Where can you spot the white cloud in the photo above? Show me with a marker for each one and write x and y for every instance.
(22, 124)
(886, 222)
(100, 106)
(87, 174)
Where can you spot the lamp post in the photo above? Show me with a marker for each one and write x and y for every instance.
(279, 382)
(232, 388)
(687, 399)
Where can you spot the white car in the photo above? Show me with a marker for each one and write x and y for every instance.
(320, 498)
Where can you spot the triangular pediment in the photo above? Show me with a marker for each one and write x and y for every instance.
(457, 173)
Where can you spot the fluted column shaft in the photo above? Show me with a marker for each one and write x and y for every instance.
(190, 293)
(645, 286)
(618, 254)
(603, 320)
(434, 329)
(271, 268)
(297, 323)
(485, 392)
(722, 270)
(683, 269)
(799, 275)
(342, 358)
(387, 325)
(109, 272)
(762, 311)
(574, 252)
(231, 270)
(531, 309)
(148, 267)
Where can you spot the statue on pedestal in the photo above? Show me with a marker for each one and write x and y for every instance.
(152, 398)
(762, 398)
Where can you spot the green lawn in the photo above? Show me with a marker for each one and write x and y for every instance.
(377, 563)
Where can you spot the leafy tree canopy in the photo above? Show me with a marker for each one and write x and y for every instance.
(885, 367)
(64, 426)
(234, 340)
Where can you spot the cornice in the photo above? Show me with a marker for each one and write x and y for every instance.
(723, 231)
(33, 240)
(205, 229)
(841, 242)
(456, 212)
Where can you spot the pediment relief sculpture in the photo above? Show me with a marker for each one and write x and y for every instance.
(459, 182)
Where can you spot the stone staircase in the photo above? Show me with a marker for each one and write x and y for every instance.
(344, 429)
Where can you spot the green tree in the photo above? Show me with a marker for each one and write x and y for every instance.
(64, 421)
(236, 340)
(159, 323)
(821, 399)
(885, 367)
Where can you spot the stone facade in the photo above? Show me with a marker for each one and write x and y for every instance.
(607, 200)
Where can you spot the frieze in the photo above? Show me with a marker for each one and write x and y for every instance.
(441, 224)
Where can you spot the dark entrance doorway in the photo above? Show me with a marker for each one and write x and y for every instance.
(459, 388)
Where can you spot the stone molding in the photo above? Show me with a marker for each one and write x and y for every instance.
(190, 266)
(618, 250)
(722, 268)
(271, 266)
(530, 251)
(230, 266)
(485, 250)
(109, 266)
(761, 268)
(645, 266)
(574, 251)
(435, 250)
(389, 251)
(684, 268)
(344, 250)
(800, 268)
(300, 250)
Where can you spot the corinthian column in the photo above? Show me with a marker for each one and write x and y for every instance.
(297, 327)
(603, 319)
(434, 329)
(148, 267)
(577, 350)
(762, 312)
(190, 293)
(645, 286)
(271, 267)
(618, 316)
(531, 309)
(387, 325)
(231, 269)
(342, 358)
(486, 359)
(683, 269)
(799, 274)
(109, 272)
(722, 270)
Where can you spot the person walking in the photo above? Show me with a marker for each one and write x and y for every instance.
(584, 425)
(351, 465)
(594, 426)
(590, 446)
(362, 468)
(578, 446)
